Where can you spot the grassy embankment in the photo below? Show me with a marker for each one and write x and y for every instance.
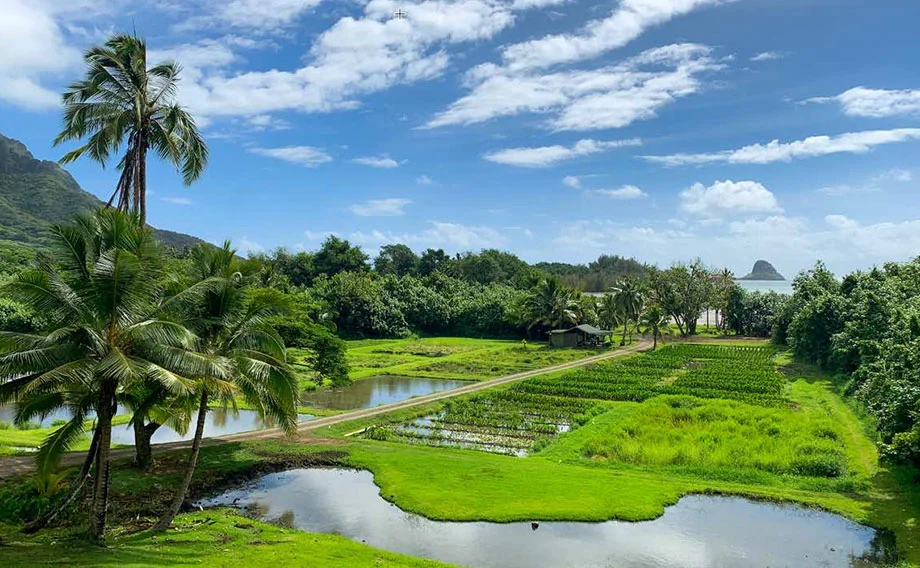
(12, 437)
(582, 475)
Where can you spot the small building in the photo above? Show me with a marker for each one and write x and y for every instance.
(583, 335)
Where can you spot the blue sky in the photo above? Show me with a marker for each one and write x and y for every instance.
(662, 129)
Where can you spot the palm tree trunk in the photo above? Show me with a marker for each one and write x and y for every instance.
(100, 504)
(140, 185)
(625, 329)
(168, 517)
(75, 489)
(654, 338)
(143, 451)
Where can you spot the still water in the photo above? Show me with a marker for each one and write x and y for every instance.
(700, 531)
(219, 423)
(781, 286)
(383, 389)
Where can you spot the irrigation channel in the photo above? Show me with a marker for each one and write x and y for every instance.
(699, 531)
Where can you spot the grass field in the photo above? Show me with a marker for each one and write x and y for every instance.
(17, 440)
(449, 357)
(599, 470)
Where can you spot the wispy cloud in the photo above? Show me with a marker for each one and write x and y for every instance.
(377, 162)
(572, 181)
(875, 103)
(424, 180)
(545, 156)
(302, 155)
(390, 207)
(624, 193)
(178, 200)
(453, 236)
(768, 56)
(592, 99)
(776, 151)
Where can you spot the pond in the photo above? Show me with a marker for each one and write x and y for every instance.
(375, 391)
(699, 531)
(220, 422)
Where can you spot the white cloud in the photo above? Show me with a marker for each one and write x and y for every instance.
(607, 97)
(248, 247)
(355, 56)
(32, 49)
(776, 151)
(260, 122)
(544, 156)
(840, 222)
(424, 180)
(178, 200)
(790, 243)
(572, 181)
(728, 198)
(390, 207)
(768, 56)
(896, 175)
(377, 162)
(262, 15)
(629, 20)
(624, 193)
(302, 155)
(451, 236)
(876, 103)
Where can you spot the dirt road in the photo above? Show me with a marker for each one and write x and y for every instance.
(20, 465)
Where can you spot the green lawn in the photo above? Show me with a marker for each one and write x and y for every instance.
(212, 538)
(448, 357)
(12, 437)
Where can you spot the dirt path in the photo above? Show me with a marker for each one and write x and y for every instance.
(20, 465)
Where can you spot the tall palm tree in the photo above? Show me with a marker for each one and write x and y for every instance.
(628, 298)
(232, 324)
(550, 304)
(608, 312)
(122, 101)
(654, 320)
(104, 337)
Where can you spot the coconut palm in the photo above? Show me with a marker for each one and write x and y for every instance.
(123, 102)
(231, 322)
(104, 338)
(608, 313)
(654, 320)
(628, 298)
(550, 304)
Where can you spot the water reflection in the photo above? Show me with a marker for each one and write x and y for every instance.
(700, 531)
(219, 422)
(375, 391)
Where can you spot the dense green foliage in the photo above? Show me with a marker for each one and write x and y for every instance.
(755, 314)
(597, 276)
(867, 326)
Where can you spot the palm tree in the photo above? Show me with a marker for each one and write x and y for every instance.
(231, 322)
(550, 304)
(628, 299)
(654, 320)
(122, 101)
(104, 338)
(608, 312)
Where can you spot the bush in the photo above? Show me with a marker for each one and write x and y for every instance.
(28, 426)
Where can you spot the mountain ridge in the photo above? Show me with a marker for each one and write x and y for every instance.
(35, 194)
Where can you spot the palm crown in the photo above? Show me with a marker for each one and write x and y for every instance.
(122, 101)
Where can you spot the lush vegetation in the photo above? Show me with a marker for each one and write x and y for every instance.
(867, 327)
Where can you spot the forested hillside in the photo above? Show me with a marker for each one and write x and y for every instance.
(36, 193)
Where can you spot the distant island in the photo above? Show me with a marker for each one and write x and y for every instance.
(763, 270)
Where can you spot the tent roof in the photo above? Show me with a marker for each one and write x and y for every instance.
(584, 328)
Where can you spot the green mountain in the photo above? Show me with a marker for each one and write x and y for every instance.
(36, 193)
(763, 270)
